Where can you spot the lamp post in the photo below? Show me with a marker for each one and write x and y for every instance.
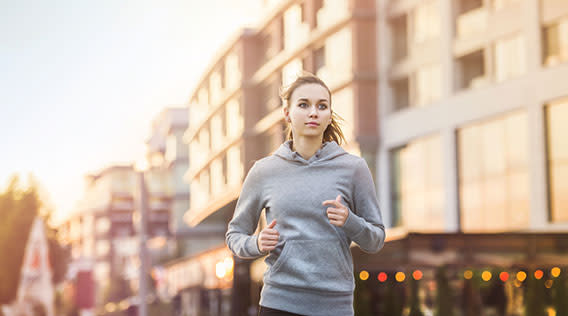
(142, 211)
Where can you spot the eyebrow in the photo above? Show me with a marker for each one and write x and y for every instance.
(304, 99)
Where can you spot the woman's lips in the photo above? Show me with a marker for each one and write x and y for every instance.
(312, 124)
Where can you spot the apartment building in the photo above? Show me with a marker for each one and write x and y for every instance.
(103, 229)
(471, 161)
(235, 118)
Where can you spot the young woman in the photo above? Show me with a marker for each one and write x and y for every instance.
(318, 199)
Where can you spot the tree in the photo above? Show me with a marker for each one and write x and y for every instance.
(18, 208)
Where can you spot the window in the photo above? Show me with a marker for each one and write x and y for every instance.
(428, 85)
(493, 174)
(319, 58)
(510, 58)
(426, 22)
(556, 43)
(401, 93)
(472, 70)
(417, 185)
(557, 116)
(400, 38)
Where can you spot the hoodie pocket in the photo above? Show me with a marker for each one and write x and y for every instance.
(314, 265)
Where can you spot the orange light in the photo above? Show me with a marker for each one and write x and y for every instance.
(504, 276)
(400, 276)
(382, 277)
(555, 272)
(521, 276)
(417, 274)
(364, 275)
(468, 274)
(538, 274)
(486, 276)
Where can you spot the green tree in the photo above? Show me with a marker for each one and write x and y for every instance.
(18, 208)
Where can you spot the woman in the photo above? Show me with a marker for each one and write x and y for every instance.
(318, 198)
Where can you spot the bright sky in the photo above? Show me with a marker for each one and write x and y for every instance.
(81, 80)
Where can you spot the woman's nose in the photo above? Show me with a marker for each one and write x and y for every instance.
(313, 111)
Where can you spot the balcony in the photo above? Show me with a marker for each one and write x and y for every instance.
(472, 22)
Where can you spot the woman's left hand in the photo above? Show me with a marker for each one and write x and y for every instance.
(337, 213)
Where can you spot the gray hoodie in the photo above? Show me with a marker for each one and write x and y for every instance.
(311, 270)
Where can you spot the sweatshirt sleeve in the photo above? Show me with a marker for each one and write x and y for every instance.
(364, 225)
(239, 236)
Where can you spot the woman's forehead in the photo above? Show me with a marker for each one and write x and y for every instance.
(310, 91)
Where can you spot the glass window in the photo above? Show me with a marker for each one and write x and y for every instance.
(234, 165)
(510, 59)
(103, 225)
(428, 85)
(291, 71)
(234, 119)
(493, 174)
(417, 185)
(343, 106)
(216, 131)
(295, 31)
(233, 73)
(217, 177)
(426, 22)
(557, 129)
(338, 56)
(400, 37)
(556, 43)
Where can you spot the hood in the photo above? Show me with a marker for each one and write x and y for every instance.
(327, 151)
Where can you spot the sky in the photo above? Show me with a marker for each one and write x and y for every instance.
(81, 80)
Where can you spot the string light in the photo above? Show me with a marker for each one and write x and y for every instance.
(538, 274)
(364, 275)
(417, 275)
(486, 276)
(468, 274)
(400, 276)
(521, 276)
(504, 276)
(555, 272)
(382, 277)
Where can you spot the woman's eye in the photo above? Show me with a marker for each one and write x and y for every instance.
(303, 105)
(323, 106)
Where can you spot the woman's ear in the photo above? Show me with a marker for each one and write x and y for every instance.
(286, 114)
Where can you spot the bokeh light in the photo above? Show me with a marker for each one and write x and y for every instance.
(382, 277)
(364, 275)
(486, 276)
(400, 276)
(417, 274)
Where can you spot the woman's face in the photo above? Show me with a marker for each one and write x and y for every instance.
(309, 111)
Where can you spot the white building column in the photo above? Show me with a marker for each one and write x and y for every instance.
(533, 34)
(451, 183)
(538, 184)
(447, 33)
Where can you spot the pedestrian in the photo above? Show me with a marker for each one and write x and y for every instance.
(318, 199)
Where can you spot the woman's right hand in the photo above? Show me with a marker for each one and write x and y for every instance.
(268, 238)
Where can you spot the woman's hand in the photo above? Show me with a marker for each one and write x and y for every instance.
(268, 238)
(337, 213)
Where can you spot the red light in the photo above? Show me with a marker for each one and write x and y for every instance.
(504, 276)
(417, 274)
(538, 274)
(382, 277)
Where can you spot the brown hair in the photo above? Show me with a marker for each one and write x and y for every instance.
(333, 131)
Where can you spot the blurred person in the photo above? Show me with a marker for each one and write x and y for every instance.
(317, 198)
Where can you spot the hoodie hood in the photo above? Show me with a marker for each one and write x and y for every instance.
(327, 151)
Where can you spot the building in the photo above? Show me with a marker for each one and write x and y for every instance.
(235, 118)
(456, 107)
(470, 172)
(103, 229)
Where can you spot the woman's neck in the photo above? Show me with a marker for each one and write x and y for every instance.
(306, 146)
